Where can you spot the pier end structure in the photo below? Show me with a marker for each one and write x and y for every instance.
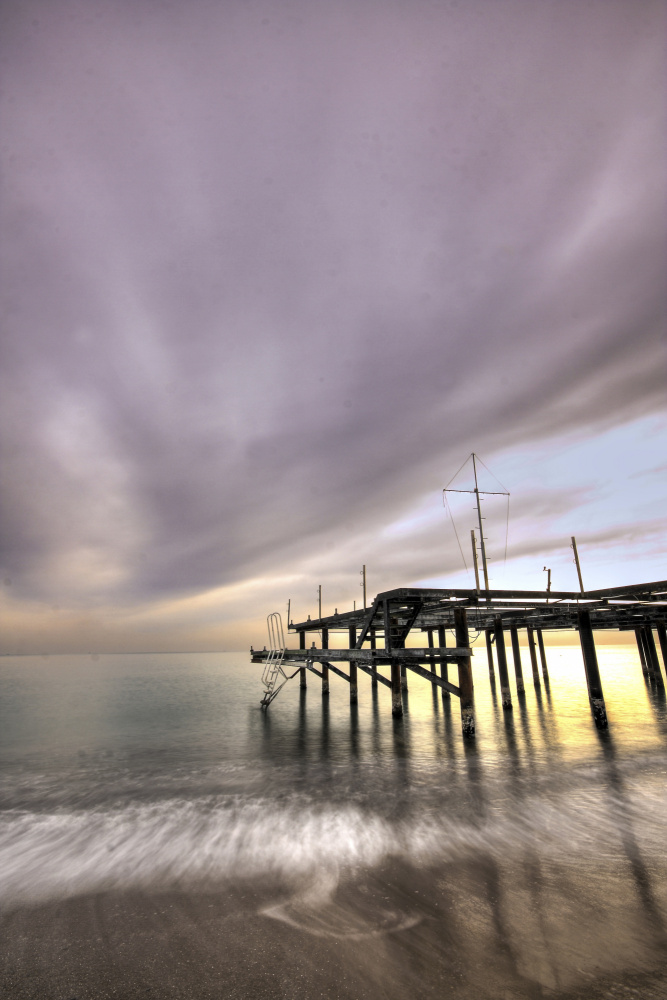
(378, 636)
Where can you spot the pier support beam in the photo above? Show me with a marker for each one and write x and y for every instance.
(354, 689)
(303, 672)
(533, 655)
(662, 636)
(505, 693)
(595, 695)
(642, 654)
(652, 656)
(543, 655)
(396, 696)
(648, 660)
(431, 662)
(374, 680)
(516, 655)
(489, 650)
(444, 672)
(325, 666)
(465, 674)
(404, 677)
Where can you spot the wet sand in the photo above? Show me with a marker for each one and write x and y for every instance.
(476, 930)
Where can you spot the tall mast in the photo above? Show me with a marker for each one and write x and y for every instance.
(481, 530)
(474, 559)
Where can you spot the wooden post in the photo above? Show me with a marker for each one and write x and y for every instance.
(576, 560)
(533, 655)
(642, 655)
(662, 636)
(489, 650)
(595, 695)
(303, 672)
(404, 677)
(374, 681)
(353, 668)
(516, 654)
(431, 664)
(505, 693)
(396, 696)
(444, 672)
(465, 674)
(652, 656)
(648, 659)
(543, 655)
(325, 666)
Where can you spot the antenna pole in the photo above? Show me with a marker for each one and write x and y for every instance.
(474, 558)
(481, 530)
(288, 609)
(363, 573)
(319, 599)
(576, 559)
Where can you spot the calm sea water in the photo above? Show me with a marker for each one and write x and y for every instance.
(531, 862)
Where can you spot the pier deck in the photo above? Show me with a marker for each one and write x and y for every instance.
(377, 637)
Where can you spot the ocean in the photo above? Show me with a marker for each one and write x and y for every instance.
(161, 836)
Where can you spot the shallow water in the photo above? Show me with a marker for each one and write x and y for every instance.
(530, 862)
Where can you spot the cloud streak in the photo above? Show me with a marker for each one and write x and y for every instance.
(270, 271)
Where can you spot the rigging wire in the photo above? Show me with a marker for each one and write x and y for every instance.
(456, 473)
(491, 474)
(445, 503)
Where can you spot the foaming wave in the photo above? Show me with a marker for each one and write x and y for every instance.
(179, 843)
(315, 910)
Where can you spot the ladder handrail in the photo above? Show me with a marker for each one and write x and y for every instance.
(273, 667)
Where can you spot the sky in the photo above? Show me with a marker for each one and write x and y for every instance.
(271, 271)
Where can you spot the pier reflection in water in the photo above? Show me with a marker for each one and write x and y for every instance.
(539, 845)
(368, 855)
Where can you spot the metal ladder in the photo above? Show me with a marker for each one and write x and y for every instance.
(273, 668)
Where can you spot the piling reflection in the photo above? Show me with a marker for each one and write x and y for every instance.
(622, 815)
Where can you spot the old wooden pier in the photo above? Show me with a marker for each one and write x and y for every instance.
(377, 639)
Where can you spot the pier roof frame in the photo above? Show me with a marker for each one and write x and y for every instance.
(620, 608)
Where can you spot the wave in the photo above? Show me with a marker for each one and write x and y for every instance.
(187, 843)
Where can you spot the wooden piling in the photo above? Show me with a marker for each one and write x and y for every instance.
(303, 683)
(325, 666)
(465, 674)
(404, 677)
(648, 659)
(396, 695)
(354, 689)
(374, 680)
(543, 655)
(642, 654)
(489, 650)
(505, 693)
(652, 655)
(431, 662)
(516, 655)
(662, 636)
(595, 695)
(444, 671)
(533, 655)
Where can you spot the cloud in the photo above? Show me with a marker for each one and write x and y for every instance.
(270, 270)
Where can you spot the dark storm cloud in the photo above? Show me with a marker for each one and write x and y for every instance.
(272, 267)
